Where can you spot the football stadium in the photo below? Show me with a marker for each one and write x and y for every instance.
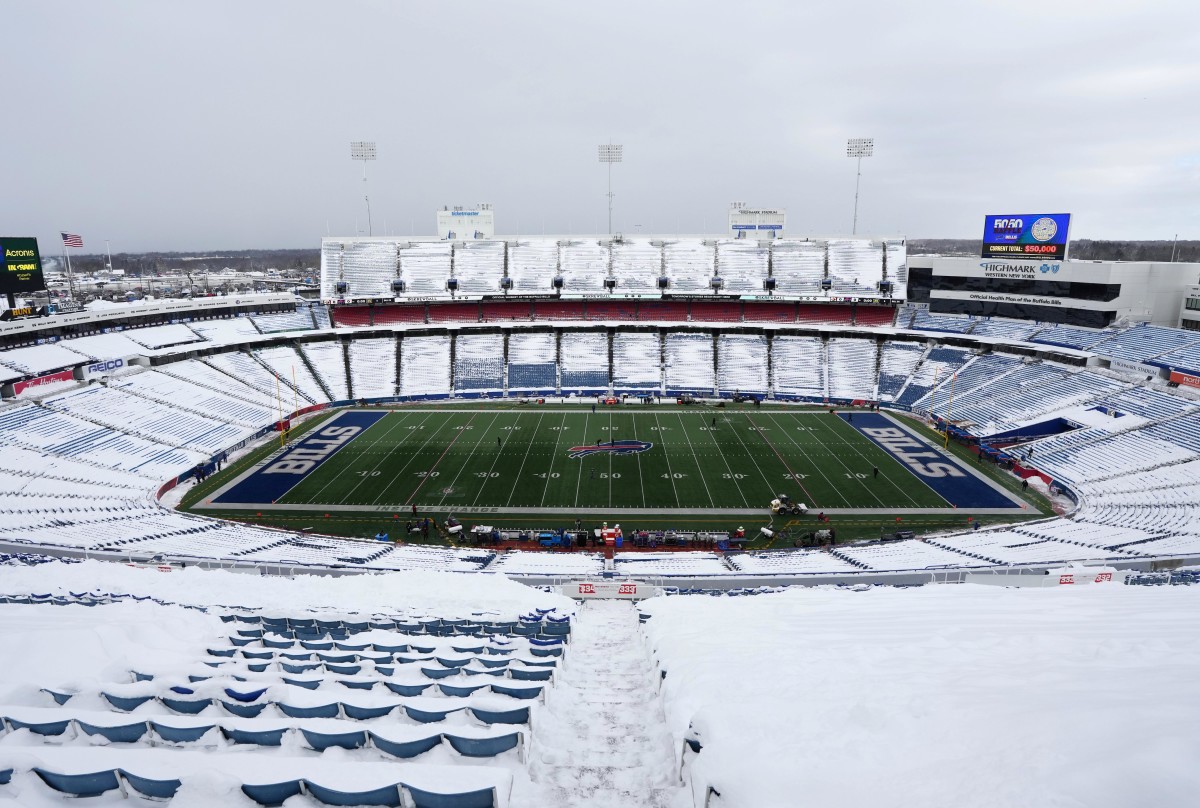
(317, 491)
(640, 429)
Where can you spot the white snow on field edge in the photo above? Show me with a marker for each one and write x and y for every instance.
(940, 696)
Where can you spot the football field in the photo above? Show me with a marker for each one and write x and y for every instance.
(570, 459)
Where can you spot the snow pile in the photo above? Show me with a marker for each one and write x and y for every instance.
(939, 696)
(417, 592)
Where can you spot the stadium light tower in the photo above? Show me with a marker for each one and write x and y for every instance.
(610, 153)
(859, 147)
(364, 150)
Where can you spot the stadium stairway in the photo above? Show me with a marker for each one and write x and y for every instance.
(603, 740)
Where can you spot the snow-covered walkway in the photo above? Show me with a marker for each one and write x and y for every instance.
(602, 739)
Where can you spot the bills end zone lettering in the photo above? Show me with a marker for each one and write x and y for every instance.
(270, 482)
(934, 468)
(616, 447)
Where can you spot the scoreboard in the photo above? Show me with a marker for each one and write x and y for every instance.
(22, 268)
(1028, 235)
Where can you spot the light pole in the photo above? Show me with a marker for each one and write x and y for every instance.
(364, 150)
(610, 153)
(859, 147)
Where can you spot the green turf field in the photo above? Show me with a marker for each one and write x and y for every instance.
(520, 459)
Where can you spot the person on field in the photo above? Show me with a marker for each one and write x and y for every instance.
(875, 471)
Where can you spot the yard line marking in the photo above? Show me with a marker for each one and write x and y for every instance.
(433, 468)
(838, 456)
(553, 455)
(770, 487)
(667, 455)
(638, 456)
(463, 467)
(699, 468)
(433, 433)
(578, 478)
(816, 465)
(528, 446)
(729, 468)
(495, 459)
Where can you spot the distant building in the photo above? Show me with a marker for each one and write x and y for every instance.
(1093, 294)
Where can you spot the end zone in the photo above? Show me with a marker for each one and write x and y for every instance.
(280, 473)
(959, 485)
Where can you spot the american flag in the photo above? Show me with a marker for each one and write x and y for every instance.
(72, 240)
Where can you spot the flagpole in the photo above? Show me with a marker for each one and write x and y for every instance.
(70, 275)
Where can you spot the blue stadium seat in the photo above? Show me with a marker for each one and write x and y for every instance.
(271, 794)
(366, 713)
(483, 747)
(180, 734)
(517, 716)
(80, 785)
(439, 673)
(129, 733)
(407, 690)
(320, 711)
(249, 696)
(386, 796)
(405, 749)
(530, 676)
(307, 684)
(391, 649)
(244, 710)
(484, 798)
(261, 737)
(428, 716)
(321, 741)
(363, 685)
(148, 787)
(461, 690)
(517, 692)
(126, 703)
(187, 706)
(46, 728)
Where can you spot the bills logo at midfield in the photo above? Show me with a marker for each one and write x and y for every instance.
(617, 447)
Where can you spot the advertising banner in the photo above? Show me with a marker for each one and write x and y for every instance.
(1026, 235)
(22, 267)
(1185, 379)
(49, 378)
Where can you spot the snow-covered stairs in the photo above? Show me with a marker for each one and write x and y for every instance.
(602, 739)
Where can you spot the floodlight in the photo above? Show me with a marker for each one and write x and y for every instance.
(364, 150)
(859, 147)
(610, 153)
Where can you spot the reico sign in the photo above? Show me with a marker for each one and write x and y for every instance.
(105, 368)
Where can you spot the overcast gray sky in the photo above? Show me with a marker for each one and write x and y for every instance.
(207, 125)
